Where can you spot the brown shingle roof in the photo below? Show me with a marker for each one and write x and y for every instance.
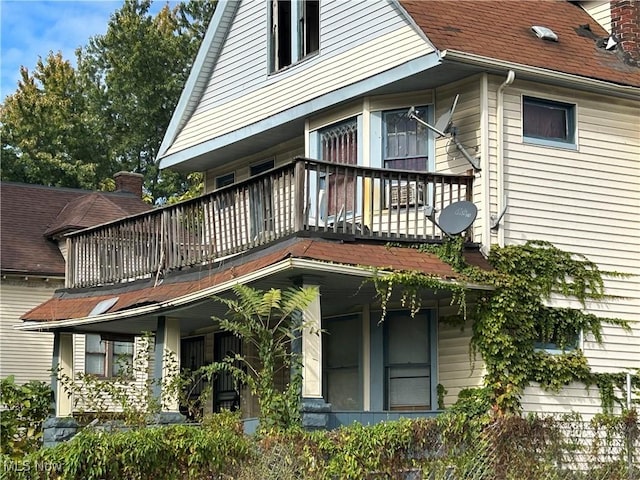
(31, 213)
(502, 30)
(67, 306)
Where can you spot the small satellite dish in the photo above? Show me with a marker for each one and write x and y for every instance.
(457, 217)
(444, 123)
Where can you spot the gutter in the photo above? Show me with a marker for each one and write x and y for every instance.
(537, 73)
(184, 301)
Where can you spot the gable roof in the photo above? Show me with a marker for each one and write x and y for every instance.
(501, 30)
(32, 214)
(189, 288)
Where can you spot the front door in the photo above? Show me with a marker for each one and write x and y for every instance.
(226, 389)
(192, 357)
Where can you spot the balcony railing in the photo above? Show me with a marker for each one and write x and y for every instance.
(304, 195)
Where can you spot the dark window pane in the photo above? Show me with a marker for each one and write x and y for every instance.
(547, 120)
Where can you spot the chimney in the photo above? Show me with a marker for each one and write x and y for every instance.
(625, 25)
(129, 182)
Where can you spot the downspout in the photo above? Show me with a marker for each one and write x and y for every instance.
(486, 167)
(501, 200)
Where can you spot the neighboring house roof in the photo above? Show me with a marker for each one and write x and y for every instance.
(67, 305)
(502, 30)
(32, 214)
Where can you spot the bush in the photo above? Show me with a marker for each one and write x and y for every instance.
(503, 447)
(24, 409)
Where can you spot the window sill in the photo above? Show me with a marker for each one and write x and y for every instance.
(286, 68)
(543, 142)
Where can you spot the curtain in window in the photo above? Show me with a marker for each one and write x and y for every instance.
(405, 141)
(545, 121)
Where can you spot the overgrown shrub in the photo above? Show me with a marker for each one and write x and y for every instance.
(23, 410)
(500, 447)
(174, 452)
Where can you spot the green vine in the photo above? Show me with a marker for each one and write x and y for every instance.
(511, 318)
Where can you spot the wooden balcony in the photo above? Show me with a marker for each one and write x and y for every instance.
(305, 195)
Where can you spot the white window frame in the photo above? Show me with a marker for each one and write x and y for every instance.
(109, 354)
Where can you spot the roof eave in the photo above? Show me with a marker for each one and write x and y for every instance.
(537, 73)
(185, 300)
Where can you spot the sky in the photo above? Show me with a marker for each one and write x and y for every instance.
(30, 28)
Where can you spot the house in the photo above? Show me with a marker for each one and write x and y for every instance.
(300, 114)
(35, 219)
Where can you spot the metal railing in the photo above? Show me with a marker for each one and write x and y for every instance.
(312, 195)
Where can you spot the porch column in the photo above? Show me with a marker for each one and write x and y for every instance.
(312, 349)
(315, 411)
(63, 360)
(167, 361)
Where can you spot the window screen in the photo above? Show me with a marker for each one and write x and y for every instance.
(408, 369)
(342, 363)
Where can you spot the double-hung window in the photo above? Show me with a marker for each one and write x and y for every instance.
(294, 31)
(408, 362)
(546, 122)
(405, 147)
(107, 358)
(405, 141)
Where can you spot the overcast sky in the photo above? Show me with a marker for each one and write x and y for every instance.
(34, 28)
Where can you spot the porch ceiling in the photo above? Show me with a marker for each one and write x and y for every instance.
(338, 267)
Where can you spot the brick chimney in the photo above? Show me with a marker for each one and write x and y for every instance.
(129, 182)
(625, 25)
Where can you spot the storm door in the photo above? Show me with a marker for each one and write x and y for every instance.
(339, 144)
(226, 389)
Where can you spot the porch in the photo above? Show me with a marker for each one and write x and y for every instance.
(303, 197)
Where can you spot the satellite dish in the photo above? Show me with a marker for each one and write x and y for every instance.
(457, 217)
(444, 123)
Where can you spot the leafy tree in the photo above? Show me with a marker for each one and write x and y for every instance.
(46, 137)
(77, 127)
(268, 322)
(133, 76)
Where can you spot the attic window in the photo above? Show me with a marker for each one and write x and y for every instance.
(294, 31)
(544, 33)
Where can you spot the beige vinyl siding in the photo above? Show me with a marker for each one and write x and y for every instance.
(27, 355)
(466, 118)
(281, 154)
(584, 200)
(358, 40)
(600, 11)
(111, 406)
(457, 369)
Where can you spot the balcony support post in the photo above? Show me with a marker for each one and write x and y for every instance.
(167, 361)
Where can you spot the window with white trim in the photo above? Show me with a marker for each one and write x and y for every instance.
(547, 122)
(405, 141)
(107, 358)
(294, 31)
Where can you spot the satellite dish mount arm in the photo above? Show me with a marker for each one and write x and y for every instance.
(443, 127)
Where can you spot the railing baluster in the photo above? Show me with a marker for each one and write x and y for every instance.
(262, 209)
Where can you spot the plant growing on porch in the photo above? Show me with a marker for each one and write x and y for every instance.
(518, 312)
(270, 323)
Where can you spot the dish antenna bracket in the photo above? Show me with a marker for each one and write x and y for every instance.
(496, 219)
(444, 127)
